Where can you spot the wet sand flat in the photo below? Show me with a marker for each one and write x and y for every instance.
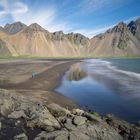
(16, 75)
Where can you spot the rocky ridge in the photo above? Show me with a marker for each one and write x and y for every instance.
(13, 28)
(120, 40)
(33, 40)
(23, 118)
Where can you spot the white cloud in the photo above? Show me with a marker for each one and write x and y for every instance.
(2, 14)
(45, 17)
(12, 7)
(18, 8)
(48, 16)
(19, 11)
(42, 17)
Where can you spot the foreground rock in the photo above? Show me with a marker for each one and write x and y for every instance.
(21, 137)
(78, 120)
(41, 121)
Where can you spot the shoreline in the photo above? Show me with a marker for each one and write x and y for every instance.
(32, 110)
(44, 84)
(24, 118)
(46, 92)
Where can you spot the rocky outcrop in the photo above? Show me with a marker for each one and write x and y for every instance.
(59, 36)
(36, 120)
(78, 39)
(134, 27)
(128, 131)
(121, 28)
(20, 137)
(79, 120)
(137, 34)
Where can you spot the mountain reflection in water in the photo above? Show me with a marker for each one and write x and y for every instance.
(106, 86)
(76, 73)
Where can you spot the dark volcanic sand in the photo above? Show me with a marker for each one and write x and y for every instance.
(16, 75)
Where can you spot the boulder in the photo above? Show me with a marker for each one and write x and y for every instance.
(68, 125)
(62, 137)
(92, 117)
(77, 111)
(7, 106)
(59, 123)
(57, 110)
(18, 122)
(39, 116)
(17, 115)
(124, 128)
(102, 132)
(79, 120)
(77, 135)
(45, 120)
(21, 137)
(53, 135)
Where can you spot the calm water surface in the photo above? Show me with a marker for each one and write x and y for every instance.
(110, 86)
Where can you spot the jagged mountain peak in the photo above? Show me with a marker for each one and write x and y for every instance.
(58, 35)
(58, 32)
(78, 38)
(121, 24)
(76, 35)
(132, 27)
(1, 28)
(14, 27)
(120, 27)
(36, 27)
(138, 20)
(36, 41)
(131, 23)
(15, 23)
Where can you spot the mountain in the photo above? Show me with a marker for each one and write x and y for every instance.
(134, 27)
(118, 41)
(13, 28)
(18, 39)
(1, 28)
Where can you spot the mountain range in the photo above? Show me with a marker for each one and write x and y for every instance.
(18, 39)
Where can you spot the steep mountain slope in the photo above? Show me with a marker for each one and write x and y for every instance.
(1, 28)
(134, 27)
(137, 34)
(17, 39)
(13, 28)
(117, 41)
(36, 41)
(5, 47)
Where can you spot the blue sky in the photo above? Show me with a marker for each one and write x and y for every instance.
(88, 17)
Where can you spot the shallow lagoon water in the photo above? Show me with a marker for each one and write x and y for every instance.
(111, 86)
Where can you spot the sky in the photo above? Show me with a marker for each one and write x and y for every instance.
(88, 17)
